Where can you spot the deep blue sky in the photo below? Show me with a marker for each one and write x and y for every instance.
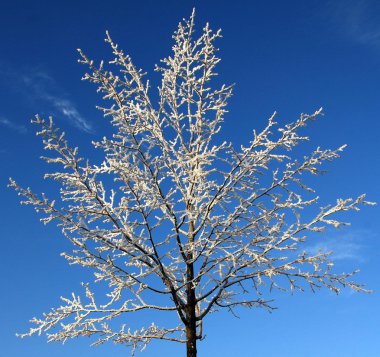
(290, 56)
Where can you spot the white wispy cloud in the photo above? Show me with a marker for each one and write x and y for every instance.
(345, 246)
(70, 111)
(43, 91)
(340, 250)
(44, 87)
(21, 129)
(358, 20)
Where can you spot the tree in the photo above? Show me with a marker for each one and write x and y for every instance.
(174, 221)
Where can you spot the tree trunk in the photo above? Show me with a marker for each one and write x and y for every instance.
(191, 343)
(191, 326)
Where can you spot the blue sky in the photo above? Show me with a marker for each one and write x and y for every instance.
(289, 56)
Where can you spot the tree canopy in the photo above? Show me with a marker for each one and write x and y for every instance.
(173, 219)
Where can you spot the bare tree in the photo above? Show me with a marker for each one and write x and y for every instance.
(189, 227)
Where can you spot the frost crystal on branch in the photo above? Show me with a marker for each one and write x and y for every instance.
(189, 227)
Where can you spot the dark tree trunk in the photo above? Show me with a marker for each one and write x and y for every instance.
(191, 326)
(191, 336)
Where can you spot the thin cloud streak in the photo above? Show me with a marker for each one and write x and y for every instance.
(340, 250)
(357, 20)
(21, 129)
(348, 246)
(43, 87)
(69, 110)
(39, 86)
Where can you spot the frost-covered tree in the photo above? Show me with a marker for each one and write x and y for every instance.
(174, 219)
